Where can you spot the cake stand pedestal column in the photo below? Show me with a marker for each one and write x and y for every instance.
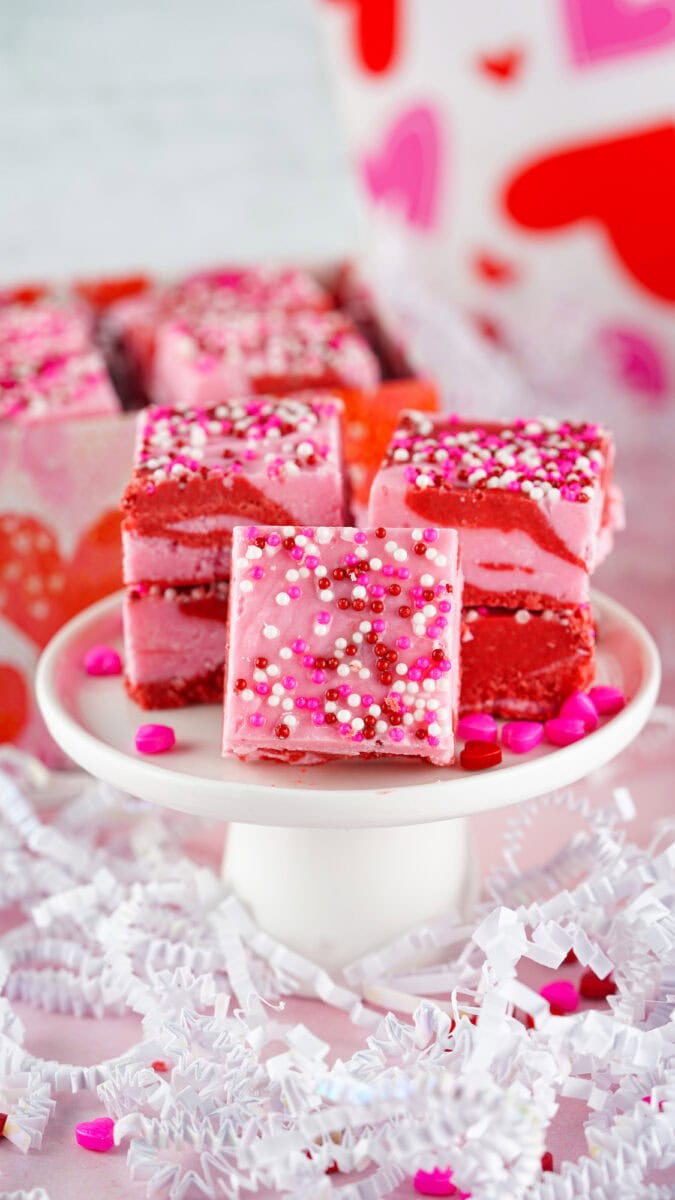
(335, 894)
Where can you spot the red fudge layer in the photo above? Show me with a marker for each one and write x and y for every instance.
(214, 359)
(200, 472)
(342, 643)
(175, 645)
(524, 664)
(130, 327)
(532, 501)
(49, 368)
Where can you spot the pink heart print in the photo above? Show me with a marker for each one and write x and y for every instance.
(637, 361)
(601, 29)
(406, 170)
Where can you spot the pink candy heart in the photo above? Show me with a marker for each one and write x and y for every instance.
(607, 700)
(561, 731)
(561, 995)
(477, 727)
(580, 707)
(96, 1135)
(154, 739)
(102, 660)
(521, 736)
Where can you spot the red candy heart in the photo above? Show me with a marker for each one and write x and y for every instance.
(593, 988)
(626, 184)
(477, 755)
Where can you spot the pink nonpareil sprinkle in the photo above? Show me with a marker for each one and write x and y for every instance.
(562, 731)
(477, 727)
(562, 996)
(96, 1135)
(580, 707)
(607, 700)
(102, 660)
(154, 739)
(522, 736)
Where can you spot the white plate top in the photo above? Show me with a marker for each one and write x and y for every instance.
(94, 722)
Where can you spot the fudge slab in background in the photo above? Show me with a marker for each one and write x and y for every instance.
(200, 472)
(214, 359)
(342, 642)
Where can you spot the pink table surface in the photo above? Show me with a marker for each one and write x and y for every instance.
(70, 1173)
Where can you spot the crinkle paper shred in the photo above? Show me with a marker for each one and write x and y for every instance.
(118, 917)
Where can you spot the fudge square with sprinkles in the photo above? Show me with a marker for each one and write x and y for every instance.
(342, 642)
(532, 500)
(200, 472)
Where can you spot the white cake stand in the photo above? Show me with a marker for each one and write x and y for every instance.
(335, 859)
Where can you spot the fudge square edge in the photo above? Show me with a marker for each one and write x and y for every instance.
(199, 472)
(532, 500)
(343, 642)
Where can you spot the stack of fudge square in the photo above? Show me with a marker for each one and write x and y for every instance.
(467, 589)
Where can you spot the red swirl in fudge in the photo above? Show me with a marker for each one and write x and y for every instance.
(532, 500)
(342, 642)
(200, 472)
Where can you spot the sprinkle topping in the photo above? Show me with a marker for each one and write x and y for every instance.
(545, 458)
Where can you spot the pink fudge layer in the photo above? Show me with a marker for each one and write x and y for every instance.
(175, 645)
(342, 642)
(207, 361)
(532, 500)
(201, 472)
(132, 324)
(48, 367)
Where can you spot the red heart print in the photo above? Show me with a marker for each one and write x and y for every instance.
(504, 66)
(39, 590)
(493, 269)
(375, 33)
(406, 170)
(14, 703)
(626, 184)
(601, 29)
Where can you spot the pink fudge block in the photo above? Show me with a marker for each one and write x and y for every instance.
(131, 326)
(175, 645)
(342, 642)
(208, 361)
(49, 368)
(532, 501)
(201, 472)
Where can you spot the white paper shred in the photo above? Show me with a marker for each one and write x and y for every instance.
(117, 917)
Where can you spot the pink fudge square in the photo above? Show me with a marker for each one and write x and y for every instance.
(202, 471)
(532, 500)
(49, 368)
(209, 360)
(342, 642)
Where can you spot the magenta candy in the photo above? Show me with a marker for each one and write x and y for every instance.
(561, 731)
(607, 700)
(561, 995)
(580, 707)
(521, 736)
(154, 739)
(102, 660)
(477, 727)
(434, 1183)
(96, 1135)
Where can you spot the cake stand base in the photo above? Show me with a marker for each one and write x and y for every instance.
(335, 894)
